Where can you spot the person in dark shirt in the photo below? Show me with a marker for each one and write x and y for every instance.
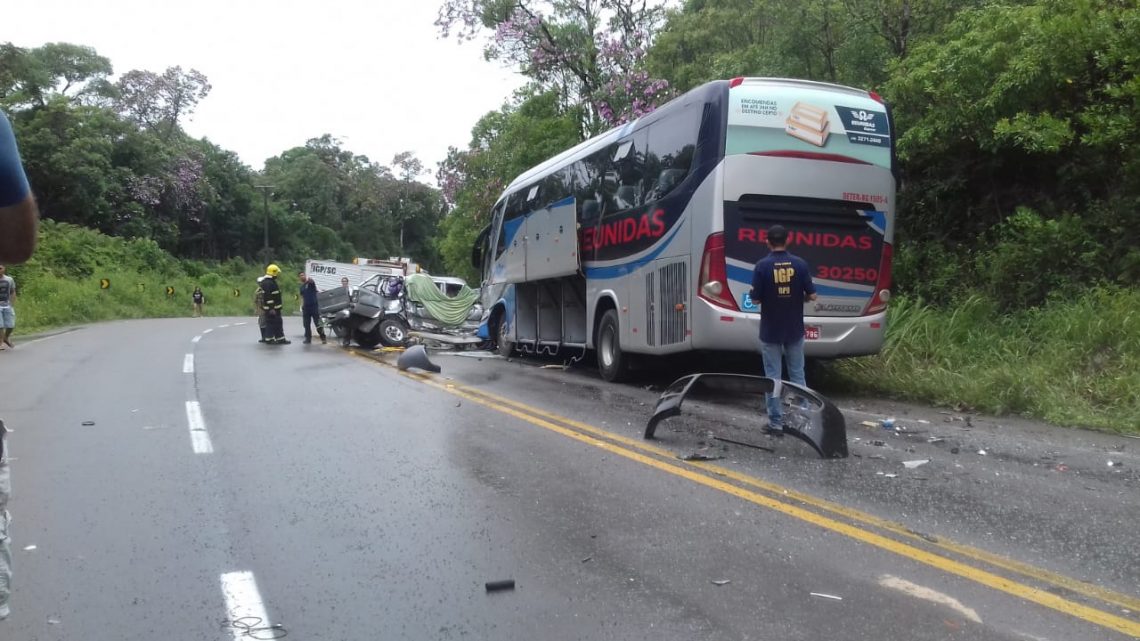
(781, 284)
(310, 309)
(198, 298)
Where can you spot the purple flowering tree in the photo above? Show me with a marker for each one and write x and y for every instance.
(592, 52)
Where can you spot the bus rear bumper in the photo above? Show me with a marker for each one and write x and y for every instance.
(722, 329)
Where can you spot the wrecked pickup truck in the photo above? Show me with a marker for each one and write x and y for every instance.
(392, 311)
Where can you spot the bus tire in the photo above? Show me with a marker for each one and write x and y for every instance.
(613, 364)
(503, 346)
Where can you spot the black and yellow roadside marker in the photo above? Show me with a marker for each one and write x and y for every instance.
(104, 283)
(169, 291)
(237, 292)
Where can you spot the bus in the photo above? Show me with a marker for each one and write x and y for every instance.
(642, 240)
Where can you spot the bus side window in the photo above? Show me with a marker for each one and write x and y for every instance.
(629, 170)
(672, 142)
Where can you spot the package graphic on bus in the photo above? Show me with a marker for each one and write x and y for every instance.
(808, 123)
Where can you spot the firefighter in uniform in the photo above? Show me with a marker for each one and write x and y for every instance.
(258, 298)
(271, 303)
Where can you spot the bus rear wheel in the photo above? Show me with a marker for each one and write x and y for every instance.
(613, 364)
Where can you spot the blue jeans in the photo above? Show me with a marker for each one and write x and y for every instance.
(774, 354)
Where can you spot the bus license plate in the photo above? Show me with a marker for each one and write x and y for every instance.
(811, 332)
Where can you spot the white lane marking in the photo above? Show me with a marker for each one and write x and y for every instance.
(244, 604)
(199, 437)
(207, 331)
(240, 324)
(188, 364)
(196, 338)
(221, 326)
(926, 594)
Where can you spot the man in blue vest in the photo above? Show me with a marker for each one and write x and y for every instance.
(781, 285)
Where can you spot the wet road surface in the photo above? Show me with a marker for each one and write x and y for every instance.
(326, 493)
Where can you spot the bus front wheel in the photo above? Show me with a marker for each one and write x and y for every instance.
(612, 363)
(502, 344)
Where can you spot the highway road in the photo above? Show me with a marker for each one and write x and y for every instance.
(174, 479)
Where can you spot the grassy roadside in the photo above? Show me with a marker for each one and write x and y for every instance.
(1070, 362)
(60, 285)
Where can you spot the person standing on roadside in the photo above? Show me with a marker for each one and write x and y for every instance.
(272, 303)
(781, 285)
(199, 298)
(310, 308)
(258, 308)
(7, 312)
(19, 218)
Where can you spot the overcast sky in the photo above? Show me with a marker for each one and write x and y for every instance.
(370, 72)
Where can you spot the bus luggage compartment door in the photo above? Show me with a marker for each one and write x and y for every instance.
(552, 241)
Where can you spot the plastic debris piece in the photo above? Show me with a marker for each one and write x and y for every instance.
(29, 548)
(888, 423)
(54, 621)
(891, 475)
(722, 582)
(982, 452)
(923, 421)
(827, 596)
(1115, 464)
(88, 423)
(878, 443)
(910, 465)
(935, 439)
(498, 586)
(587, 559)
(1061, 467)
(869, 424)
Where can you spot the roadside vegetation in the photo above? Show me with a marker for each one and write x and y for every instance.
(60, 285)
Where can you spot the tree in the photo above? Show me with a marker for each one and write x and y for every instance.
(588, 51)
(31, 77)
(160, 101)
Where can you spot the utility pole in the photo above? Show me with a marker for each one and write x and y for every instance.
(265, 245)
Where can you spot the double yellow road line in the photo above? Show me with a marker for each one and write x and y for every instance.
(1018, 579)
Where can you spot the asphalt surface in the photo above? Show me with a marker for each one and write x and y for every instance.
(331, 495)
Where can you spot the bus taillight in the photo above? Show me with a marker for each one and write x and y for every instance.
(713, 282)
(883, 286)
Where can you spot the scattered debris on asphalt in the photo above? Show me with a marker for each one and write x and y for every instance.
(888, 423)
(878, 443)
(498, 586)
(954, 450)
(869, 424)
(88, 423)
(935, 439)
(1061, 467)
(721, 582)
(827, 596)
(1115, 464)
(29, 548)
(587, 559)
(982, 452)
(910, 465)
(700, 456)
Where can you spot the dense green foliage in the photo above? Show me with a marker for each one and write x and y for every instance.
(113, 157)
(60, 285)
(1072, 362)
